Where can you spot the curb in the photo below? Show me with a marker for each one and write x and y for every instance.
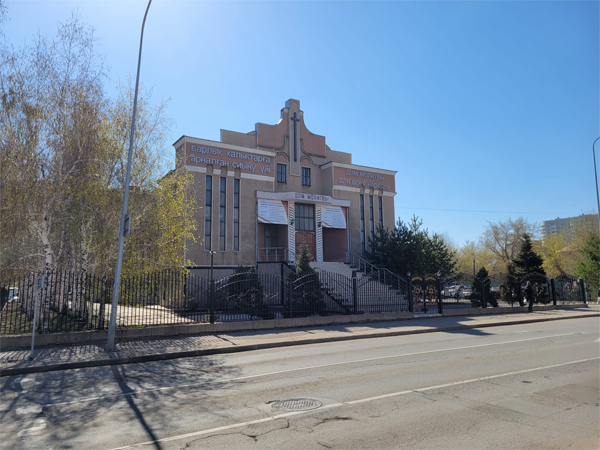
(244, 348)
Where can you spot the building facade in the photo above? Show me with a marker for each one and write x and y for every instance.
(567, 226)
(264, 193)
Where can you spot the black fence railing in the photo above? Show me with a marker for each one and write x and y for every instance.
(76, 302)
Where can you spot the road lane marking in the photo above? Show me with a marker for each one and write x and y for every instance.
(298, 369)
(26, 410)
(350, 403)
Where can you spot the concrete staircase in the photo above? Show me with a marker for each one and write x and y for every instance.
(335, 267)
(372, 295)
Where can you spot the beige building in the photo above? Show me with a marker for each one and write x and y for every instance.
(567, 226)
(266, 192)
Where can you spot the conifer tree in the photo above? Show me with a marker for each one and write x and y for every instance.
(482, 284)
(588, 267)
(527, 261)
(303, 262)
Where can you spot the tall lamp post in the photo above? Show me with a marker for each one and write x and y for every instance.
(596, 175)
(110, 344)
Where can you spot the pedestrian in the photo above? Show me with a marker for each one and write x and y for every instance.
(529, 295)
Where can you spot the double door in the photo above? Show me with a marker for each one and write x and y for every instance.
(305, 229)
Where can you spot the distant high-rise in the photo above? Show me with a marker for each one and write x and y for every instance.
(567, 226)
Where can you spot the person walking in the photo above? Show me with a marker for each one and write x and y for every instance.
(529, 296)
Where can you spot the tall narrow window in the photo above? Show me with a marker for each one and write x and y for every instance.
(371, 217)
(380, 210)
(222, 200)
(236, 215)
(362, 224)
(305, 176)
(207, 212)
(305, 217)
(281, 173)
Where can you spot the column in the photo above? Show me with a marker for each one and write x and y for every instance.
(319, 233)
(291, 231)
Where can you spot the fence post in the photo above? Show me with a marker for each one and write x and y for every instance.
(483, 300)
(354, 292)
(553, 291)
(583, 293)
(290, 286)
(519, 294)
(410, 299)
(282, 286)
(424, 289)
(439, 292)
(212, 301)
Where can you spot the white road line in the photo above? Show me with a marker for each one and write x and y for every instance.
(26, 410)
(279, 372)
(353, 402)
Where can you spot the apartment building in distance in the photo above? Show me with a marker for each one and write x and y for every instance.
(568, 225)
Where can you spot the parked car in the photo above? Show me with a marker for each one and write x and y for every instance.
(13, 294)
(466, 291)
(450, 291)
(495, 289)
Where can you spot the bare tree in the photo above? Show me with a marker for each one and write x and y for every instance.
(503, 239)
(52, 102)
(63, 156)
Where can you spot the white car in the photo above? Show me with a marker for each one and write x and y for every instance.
(13, 294)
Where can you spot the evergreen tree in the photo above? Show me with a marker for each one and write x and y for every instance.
(482, 285)
(245, 293)
(303, 262)
(588, 267)
(380, 247)
(306, 295)
(410, 248)
(527, 261)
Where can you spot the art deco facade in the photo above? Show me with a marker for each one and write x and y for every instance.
(266, 192)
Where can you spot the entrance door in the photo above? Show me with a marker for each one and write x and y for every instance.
(305, 228)
(272, 250)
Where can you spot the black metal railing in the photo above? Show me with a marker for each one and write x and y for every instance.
(69, 301)
(275, 254)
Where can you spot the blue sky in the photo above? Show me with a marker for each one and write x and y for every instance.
(479, 106)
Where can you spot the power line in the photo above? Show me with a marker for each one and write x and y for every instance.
(478, 211)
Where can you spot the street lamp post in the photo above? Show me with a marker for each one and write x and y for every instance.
(596, 176)
(110, 344)
(212, 289)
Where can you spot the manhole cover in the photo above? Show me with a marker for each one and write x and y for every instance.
(297, 404)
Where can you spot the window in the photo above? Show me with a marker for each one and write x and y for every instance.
(281, 173)
(222, 200)
(207, 212)
(271, 236)
(371, 216)
(305, 217)
(362, 224)
(305, 176)
(236, 215)
(380, 210)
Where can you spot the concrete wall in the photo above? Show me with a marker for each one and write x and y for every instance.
(24, 341)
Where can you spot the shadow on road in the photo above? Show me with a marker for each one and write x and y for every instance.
(130, 397)
(79, 406)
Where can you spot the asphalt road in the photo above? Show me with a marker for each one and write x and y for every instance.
(522, 386)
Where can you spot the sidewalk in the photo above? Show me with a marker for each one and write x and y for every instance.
(93, 354)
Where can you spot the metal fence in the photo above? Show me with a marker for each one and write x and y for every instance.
(75, 302)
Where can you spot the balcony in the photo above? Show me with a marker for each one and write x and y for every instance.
(275, 254)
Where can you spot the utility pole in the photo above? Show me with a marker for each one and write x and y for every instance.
(112, 326)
